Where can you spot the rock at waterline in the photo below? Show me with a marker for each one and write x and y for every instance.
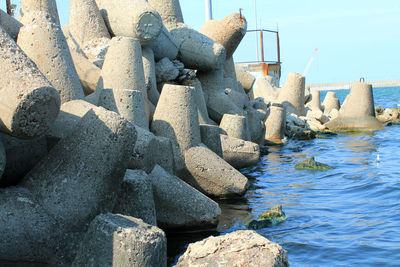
(311, 165)
(269, 218)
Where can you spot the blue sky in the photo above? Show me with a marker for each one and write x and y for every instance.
(354, 38)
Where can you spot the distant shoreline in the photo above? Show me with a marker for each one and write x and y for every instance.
(346, 85)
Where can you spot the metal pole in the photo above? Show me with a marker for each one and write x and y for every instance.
(9, 12)
(208, 10)
(278, 47)
(262, 45)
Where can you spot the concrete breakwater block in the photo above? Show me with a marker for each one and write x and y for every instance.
(166, 70)
(149, 67)
(330, 102)
(176, 118)
(136, 197)
(315, 101)
(29, 102)
(46, 6)
(43, 41)
(275, 125)
(26, 230)
(228, 32)
(210, 138)
(191, 209)
(118, 240)
(255, 122)
(127, 103)
(170, 10)
(140, 20)
(10, 24)
(240, 248)
(212, 175)
(244, 77)
(88, 164)
(239, 153)
(263, 88)
(291, 94)
(235, 126)
(164, 46)
(3, 160)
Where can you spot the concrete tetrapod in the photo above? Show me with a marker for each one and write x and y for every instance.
(136, 197)
(357, 111)
(176, 118)
(118, 240)
(46, 6)
(263, 88)
(275, 124)
(191, 209)
(123, 69)
(239, 153)
(28, 102)
(10, 24)
(210, 137)
(235, 126)
(89, 164)
(43, 41)
(228, 32)
(170, 10)
(255, 122)
(164, 46)
(330, 102)
(149, 67)
(315, 102)
(139, 21)
(244, 77)
(3, 160)
(212, 175)
(291, 95)
(85, 22)
(127, 103)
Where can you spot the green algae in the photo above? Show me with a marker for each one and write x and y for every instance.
(269, 218)
(311, 165)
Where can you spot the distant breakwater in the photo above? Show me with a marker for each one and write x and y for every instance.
(346, 85)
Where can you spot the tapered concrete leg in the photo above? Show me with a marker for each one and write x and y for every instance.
(244, 77)
(263, 88)
(330, 103)
(164, 46)
(315, 102)
(212, 175)
(191, 209)
(149, 67)
(228, 32)
(89, 164)
(28, 102)
(46, 6)
(235, 126)
(139, 21)
(255, 124)
(291, 95)
(170, 10)
(128, 103)
(176, 118)
(239, 153)
(10, 24)
(43, 41)
(210, 137)
(275, 124)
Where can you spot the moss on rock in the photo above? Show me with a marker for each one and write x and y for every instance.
(271, 217)
(311, 165)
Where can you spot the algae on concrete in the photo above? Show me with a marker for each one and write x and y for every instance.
(269, 218)
(311, 165)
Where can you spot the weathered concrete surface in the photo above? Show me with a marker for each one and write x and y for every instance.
(170, 11)
(275, 124)
(330, 102)
(315, 101)
(10, 24)
(89, 164)
(140, 20)
(240, 248)
(191, 209)
(235, 126)
(291, 95)
(210, 137)
(212, 175)
(118, 240)
(43, 41)
(149, 67)
(136, 197)
(3, 160)
(228, 32)
(29, 103)
(255, 122)
(164, 46)
(166, 70)
(244, 77)
(239, 153)
(263, 88)
(46, 6)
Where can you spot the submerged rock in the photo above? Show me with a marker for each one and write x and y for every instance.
(269, 218)
(311, 165)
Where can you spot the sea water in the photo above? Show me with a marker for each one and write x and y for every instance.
(349, 216)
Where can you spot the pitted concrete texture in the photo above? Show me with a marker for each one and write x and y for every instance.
(127, 103)
(22, 156)
(255, 125)
(29, 103)
(330, 102)
(240, 99)
(229, 69)
(354, 123)
(176, 118)
(197, 51)
(263, 88)
(43, 41)
(164, 46)
(244, 77)
(89, 164)
(139, 21)
(191, 209)
(291, 95)
(315, 102)
(123, 69)
(136, 197)
(3, 160)
(235, 126)
(228, 32)
(96, 50)
(239, 153)
(10, 24)
(86, 22)
(166, 70)
(210, 137)
(212, 81)
(118, 240)
(149, 67)
(212, 175)
(46, 6)
(26, 230)
(275, 124)
(170, 11)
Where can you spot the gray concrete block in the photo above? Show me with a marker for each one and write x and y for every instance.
(149, 67)
(255, 125)
(170, 10)
(135, 198)
(275, 125)
(10, 24)
(239, 153)
(117, 240)
(191, 209)
(166, 70)
(330, 102)
(30, 103)
(291, 95)
(210, 137)
(235, 126)
(164, 46)
(46, 6)
(3, 160)
(263, 88)
(244, 77)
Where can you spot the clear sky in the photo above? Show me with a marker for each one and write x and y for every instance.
(355, 38)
